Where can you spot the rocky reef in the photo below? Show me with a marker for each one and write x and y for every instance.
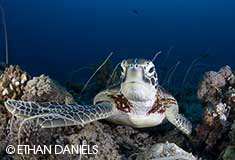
(44, 89)
(210, 107)
(216, 92)
(12, 83)
(214, 86)
(165, 151)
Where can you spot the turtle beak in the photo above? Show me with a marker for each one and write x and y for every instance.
(134, 75)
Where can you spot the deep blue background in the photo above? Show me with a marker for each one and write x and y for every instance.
(55, 37)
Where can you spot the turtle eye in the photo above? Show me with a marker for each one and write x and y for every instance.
(151, 70)
(122, 70)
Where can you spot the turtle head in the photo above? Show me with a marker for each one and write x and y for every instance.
(139, 79)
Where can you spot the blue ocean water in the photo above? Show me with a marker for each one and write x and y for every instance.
(56, 37)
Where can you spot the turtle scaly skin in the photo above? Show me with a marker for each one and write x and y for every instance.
(138, 101)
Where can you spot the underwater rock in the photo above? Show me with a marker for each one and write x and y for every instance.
(4, 116)
(216, 92)
(44, 89)
(210, 136)
(132, 141)
(12, 83)
(33, 135)
(114, 142)
(95, 134)
(230, 96)
(218, 113)
(209, 88)
(212, 83)
(166, 151)
(119, 142)
(228, 75)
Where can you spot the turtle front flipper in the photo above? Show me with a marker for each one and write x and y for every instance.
(52, 115)
(178, 120)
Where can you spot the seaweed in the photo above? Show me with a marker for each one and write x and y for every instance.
(5, 33)
(191, 66)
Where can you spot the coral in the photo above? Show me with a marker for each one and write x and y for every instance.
(4, 116)
(210, 87)
(216, 92)
(210, 136)
(12, 83)
(130, 140)
(44, 89)
(94, 134)
(228, 75)
(16, 84)
(230, 96)
(120, 142)
(165, 151)
(219, 112)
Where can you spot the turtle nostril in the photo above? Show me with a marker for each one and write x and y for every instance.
(134, 69)
(153, 81)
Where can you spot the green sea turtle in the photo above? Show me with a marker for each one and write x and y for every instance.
(137, 101)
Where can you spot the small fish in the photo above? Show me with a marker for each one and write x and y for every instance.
(135, 11)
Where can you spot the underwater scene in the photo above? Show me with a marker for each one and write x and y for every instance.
(117, 80)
